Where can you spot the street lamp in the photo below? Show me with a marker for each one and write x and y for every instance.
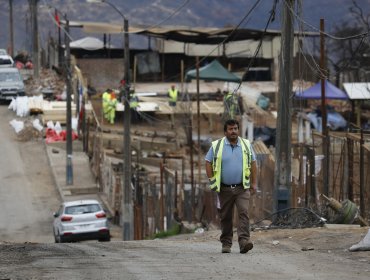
(127, 209)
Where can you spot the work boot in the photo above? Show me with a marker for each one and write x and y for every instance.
(226, 248)
(245, 246)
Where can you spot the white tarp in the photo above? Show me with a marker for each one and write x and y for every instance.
(357, 90)
(88, 43)
(363, 245)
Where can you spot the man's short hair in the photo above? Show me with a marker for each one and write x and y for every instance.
(231, 122)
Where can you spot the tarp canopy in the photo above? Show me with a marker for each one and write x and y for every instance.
(213, 71)
(314, 92)
(88, 43)
(357, 90)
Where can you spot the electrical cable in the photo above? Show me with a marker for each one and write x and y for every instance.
(223, 41)
(325, 33)
(176, 11)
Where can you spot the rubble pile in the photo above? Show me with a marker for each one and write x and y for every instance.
(49, 82)
(29, 132)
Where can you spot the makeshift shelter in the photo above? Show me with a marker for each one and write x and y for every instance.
(213, 71)
(314, 92)
(357, 90)
(89, 43)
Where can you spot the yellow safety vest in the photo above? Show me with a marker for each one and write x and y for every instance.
(173, 95)
(133, 100)
(217, 146)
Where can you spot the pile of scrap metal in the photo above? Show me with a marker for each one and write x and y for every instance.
(346, 212)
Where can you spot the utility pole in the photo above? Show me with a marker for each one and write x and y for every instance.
(35, 39)
(60, 54)
(128, 215)
(11, 27)
(69, 167)
(282, 176)
(127, 207)
(324, 127)
(198, 126)
(323, 76)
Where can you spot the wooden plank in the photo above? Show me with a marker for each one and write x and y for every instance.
(341, 226)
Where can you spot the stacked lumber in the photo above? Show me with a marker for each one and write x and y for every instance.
(56, 111)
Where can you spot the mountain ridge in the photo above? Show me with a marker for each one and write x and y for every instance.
(201, 13)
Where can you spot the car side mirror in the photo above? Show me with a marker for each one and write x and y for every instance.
(56, 214)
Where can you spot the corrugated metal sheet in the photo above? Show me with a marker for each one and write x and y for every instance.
(357, 90)
(199, 35)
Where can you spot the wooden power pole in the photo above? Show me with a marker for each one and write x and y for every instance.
(11, 27)
(324, 127)
(35, 39)
(282, 181)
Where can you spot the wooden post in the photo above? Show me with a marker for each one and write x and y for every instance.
(323, 76)
(161, 200)
(326, 142)
(135, 65)
(198, 117)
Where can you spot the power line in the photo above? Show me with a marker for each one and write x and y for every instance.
(223, 41)
(164, 20)
(325, 33)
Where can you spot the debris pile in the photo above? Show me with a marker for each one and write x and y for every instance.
(28, 130)
(291, 218)
(50, 82)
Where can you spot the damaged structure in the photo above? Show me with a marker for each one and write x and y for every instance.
(168, 182)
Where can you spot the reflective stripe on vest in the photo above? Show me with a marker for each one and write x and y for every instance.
(217, 146)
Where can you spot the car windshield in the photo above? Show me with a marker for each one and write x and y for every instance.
(9, 77)
(5, 61)
(82, 209)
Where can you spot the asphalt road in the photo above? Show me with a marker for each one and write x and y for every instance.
(28, 197)
(27, 192)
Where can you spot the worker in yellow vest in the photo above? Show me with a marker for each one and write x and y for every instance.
(230, 105)
(231, 168)
(172, 94)
(109, 105)
(105, 100)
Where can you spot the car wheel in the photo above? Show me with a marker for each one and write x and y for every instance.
(58, 238)
(55, 237)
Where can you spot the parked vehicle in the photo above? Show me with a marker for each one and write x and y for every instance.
(80, 220)
(11, 83)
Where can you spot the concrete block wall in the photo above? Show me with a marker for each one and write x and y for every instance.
(102, 73)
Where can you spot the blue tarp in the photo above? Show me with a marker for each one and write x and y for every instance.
(314, 92)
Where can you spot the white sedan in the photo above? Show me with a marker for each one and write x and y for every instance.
(80, 220)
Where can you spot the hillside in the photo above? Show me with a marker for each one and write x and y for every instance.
(205, 13)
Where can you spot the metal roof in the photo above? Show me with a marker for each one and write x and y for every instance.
(198, 35)
(357, 90)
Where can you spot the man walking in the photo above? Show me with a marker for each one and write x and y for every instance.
(232, 171)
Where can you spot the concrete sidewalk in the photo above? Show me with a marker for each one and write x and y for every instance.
(84, 185)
